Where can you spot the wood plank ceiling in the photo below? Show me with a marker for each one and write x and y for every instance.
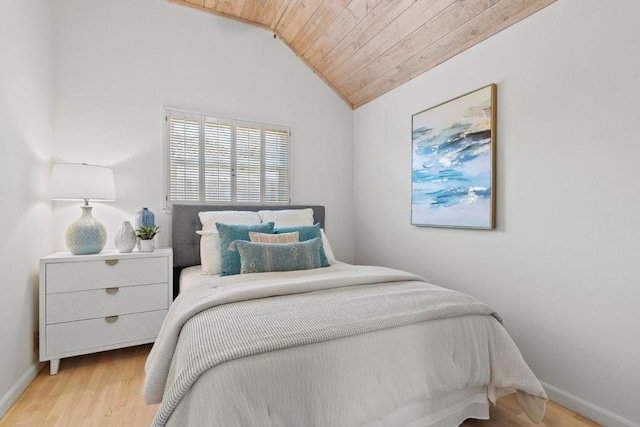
(364, 48)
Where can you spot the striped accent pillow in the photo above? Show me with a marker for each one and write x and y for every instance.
(274, 238)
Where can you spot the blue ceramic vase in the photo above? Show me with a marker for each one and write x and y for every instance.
(145, 217)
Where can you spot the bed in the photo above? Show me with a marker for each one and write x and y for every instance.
(341, 345)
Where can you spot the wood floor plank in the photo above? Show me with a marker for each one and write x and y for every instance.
(508, 413)
(105, 389)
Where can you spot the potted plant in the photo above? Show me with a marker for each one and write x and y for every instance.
(145, 235)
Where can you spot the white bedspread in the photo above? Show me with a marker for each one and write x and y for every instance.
(486, 346)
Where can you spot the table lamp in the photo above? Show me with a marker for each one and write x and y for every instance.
(80, 181)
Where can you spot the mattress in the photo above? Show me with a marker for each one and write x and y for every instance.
(192, 277)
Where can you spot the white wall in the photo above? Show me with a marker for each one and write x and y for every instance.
(118, 63)
(563, 266)
(25, 159)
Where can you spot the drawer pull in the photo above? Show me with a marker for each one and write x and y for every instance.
(111, 319)
(111, 261)
(112, 291)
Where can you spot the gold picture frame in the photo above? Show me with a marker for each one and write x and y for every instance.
(453, 179)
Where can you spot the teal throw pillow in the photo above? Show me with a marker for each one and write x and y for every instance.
(264, 257)
(307, 232)
(230, 259)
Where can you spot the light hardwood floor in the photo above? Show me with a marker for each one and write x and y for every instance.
(105, 389)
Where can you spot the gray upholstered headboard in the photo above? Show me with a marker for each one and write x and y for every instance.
(185, 222)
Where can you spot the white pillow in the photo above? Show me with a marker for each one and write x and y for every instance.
(288, 217)
(327, 248)
(209, 218)
(209, 252)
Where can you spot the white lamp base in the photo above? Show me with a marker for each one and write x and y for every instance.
(86, 236)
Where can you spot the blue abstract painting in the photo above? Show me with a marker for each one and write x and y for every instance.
(453, 177)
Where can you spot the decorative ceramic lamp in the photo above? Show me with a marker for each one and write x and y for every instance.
(75, 181)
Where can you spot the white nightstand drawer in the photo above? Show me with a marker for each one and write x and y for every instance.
(83, 275)
(100, 303)
(88, 334)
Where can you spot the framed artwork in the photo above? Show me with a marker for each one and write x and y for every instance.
(454, 161)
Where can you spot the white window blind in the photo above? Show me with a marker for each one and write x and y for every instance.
(276, 162)
(248, 163)
(215, 160)
(184, 135)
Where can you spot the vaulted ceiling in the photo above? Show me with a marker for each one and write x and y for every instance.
(364, 48)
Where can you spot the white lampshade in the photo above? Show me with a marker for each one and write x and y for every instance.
(80, 181)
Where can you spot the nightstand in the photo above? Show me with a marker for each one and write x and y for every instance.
(91, 303)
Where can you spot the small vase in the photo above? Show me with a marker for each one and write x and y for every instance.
(147, 245)
(125, 239)
(145, 217)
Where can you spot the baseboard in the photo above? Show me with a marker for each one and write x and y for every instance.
(587, 409)
(14, 392)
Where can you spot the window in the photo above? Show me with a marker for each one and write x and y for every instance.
(215, 160)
